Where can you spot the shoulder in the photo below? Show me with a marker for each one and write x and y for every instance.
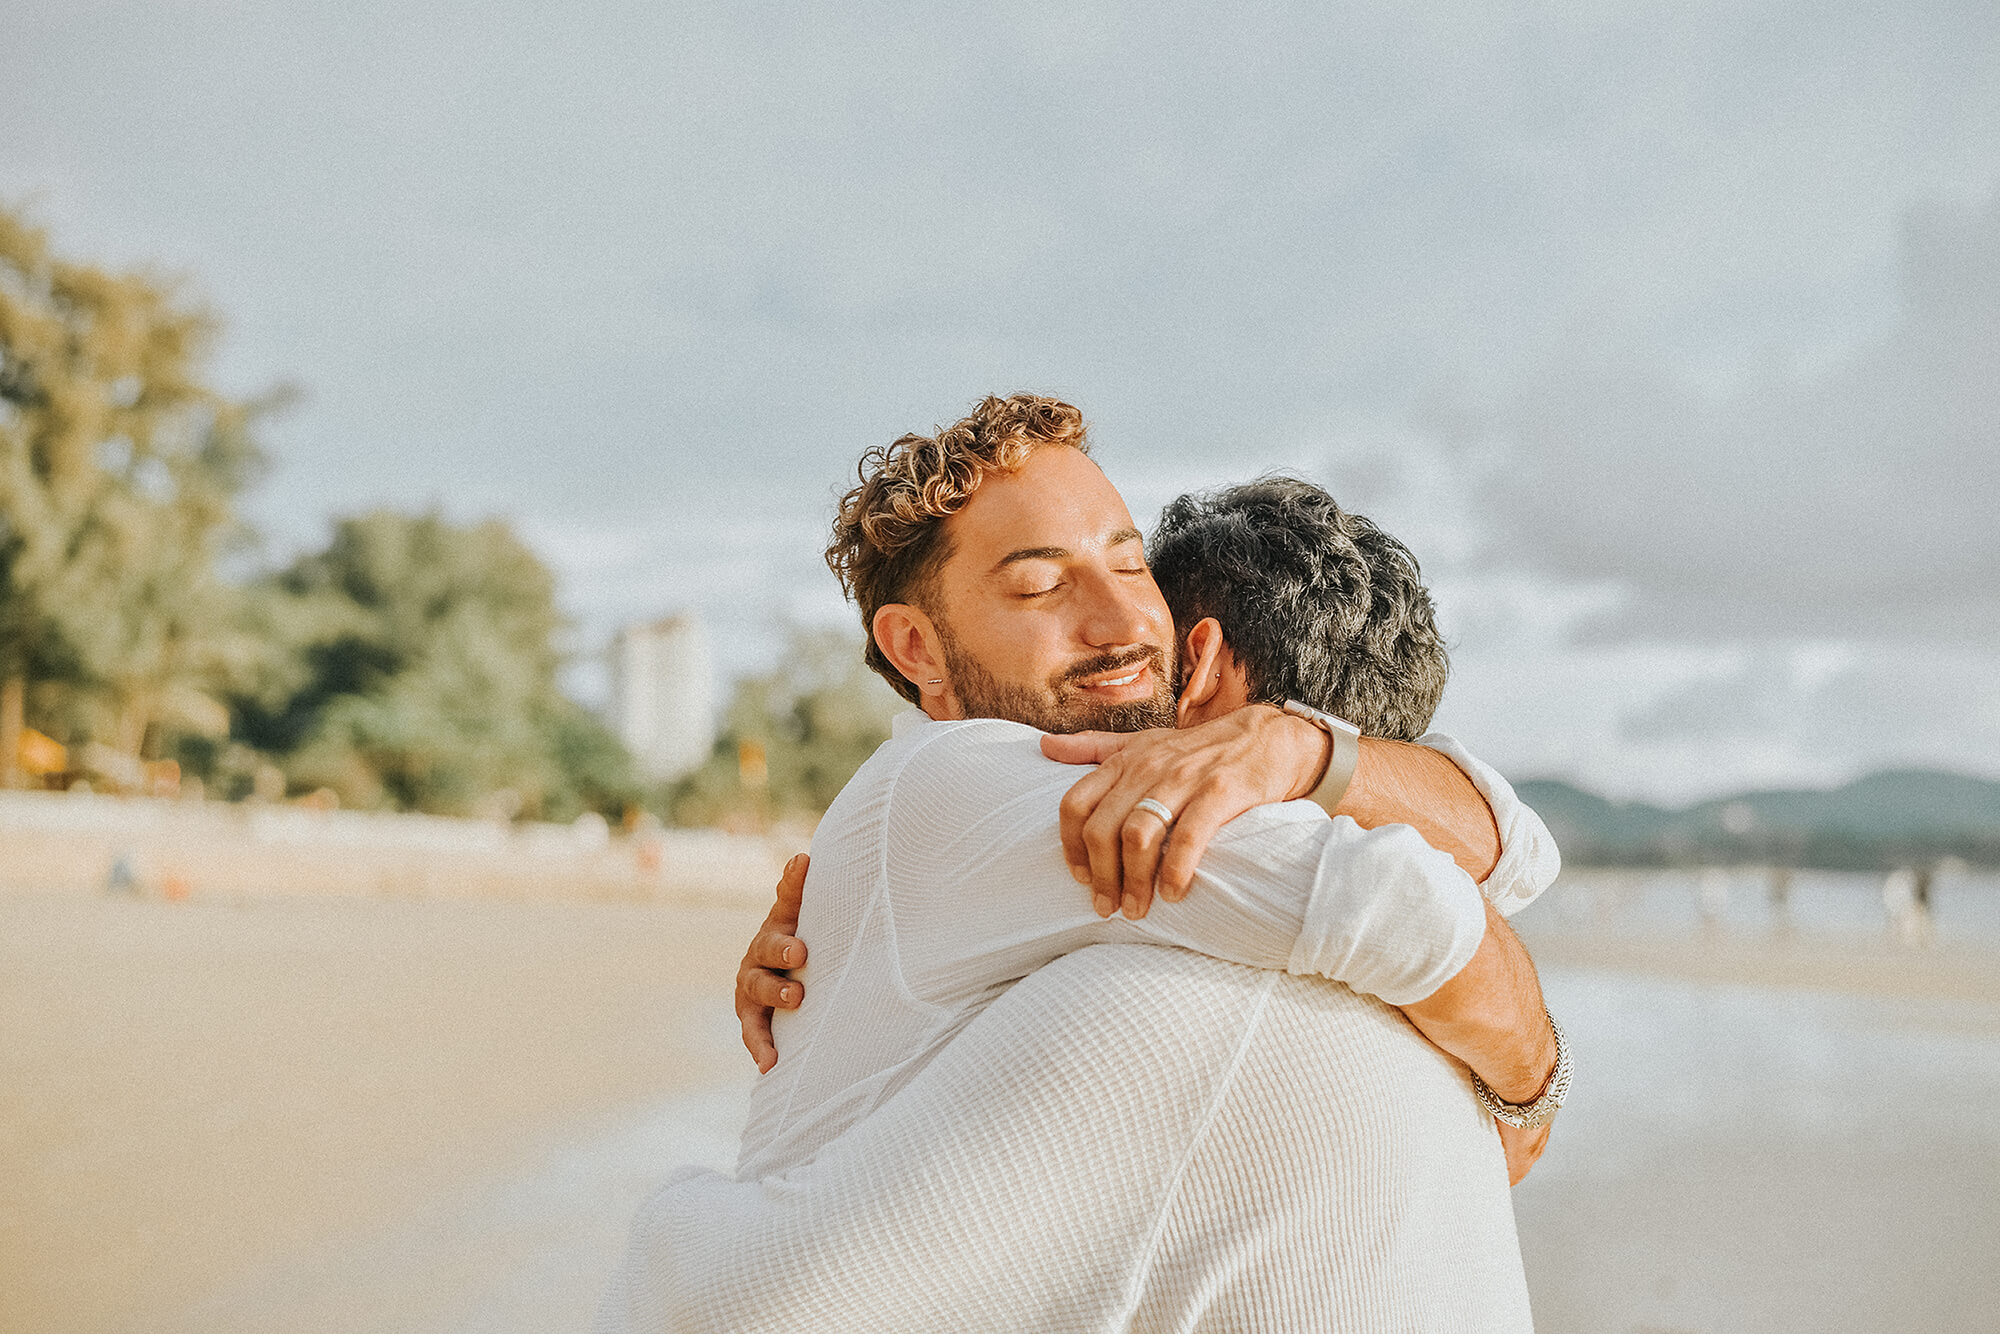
(929, 745)
(1454, 750)
(1497, 790)
(960, 780)
(988, 749)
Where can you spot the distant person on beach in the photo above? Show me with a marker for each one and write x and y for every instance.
(1006, 590)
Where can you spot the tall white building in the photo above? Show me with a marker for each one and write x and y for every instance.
(663, 695)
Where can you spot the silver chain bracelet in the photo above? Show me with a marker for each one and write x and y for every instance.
(1528, 1115)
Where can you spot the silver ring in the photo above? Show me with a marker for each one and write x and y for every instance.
(1159, 808)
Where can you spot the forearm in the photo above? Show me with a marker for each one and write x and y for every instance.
(982, 901)
(1397, 782)
(1491, 1016)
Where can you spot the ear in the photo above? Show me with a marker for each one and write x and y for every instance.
(1203, 655)
(910, 641)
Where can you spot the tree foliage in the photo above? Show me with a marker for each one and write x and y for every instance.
(119, 469)
(417, 669)
(792, 737)
(411, 664)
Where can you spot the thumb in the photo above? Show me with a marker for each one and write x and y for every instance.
(1084, 747)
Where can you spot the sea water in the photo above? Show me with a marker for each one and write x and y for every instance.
(1752, 902)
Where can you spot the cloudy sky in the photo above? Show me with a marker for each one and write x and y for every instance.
(1667, 335)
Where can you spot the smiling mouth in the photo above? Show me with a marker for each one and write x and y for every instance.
(1128, 675)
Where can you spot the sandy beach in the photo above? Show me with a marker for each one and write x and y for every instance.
(193, 1092)
(390, 1113)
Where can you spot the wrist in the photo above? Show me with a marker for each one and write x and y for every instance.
(1303, 749)
(1530, 1079)
(1535, 1108)
(1338, 753)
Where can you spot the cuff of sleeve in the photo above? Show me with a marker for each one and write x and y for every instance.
(1390, 916)
(1529, 860)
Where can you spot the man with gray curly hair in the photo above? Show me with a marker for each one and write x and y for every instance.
(1130, 1137)
(1317, 603)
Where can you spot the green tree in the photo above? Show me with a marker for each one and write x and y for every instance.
(792, 737)
(119, 469)
(419, 671)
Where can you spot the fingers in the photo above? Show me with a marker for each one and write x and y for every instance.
(1099, 864)
(1124, 839)
(775, 947)
(1207, 776)
(1104, 841)
(1192, 833)
(756, 1022)
(1084, 747)
(1126, 854)
(784, 915)
(775, 951)
(767, 990)
(1158, 856)
(758, 991)
(757, 1039)
(1121, 843)
(1079, 804)
(1141, 838)
(760, 984)
(760, 987)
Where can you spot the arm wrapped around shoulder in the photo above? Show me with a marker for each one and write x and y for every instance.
(1529, 860)
(1390, 915)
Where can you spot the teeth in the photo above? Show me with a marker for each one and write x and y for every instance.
(1122, 680)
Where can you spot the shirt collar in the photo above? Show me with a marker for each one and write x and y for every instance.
(908, 721)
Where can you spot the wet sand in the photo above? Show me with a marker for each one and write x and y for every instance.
(1737, 1159)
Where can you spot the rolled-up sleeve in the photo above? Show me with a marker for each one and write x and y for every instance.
(980, 896)
(1529, 860)
(1389, 914)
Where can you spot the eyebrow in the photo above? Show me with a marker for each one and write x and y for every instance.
(1117, 539)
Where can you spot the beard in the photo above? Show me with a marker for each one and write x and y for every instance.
(1060, 705)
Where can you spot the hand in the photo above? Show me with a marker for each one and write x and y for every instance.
(1207, 775)
(1523, 1148)
(761, 983)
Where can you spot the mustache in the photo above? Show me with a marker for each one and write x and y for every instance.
(1110, 662)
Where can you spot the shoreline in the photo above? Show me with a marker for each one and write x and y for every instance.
(164, 849)
(1782, 961)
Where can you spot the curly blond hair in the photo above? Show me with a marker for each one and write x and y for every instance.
(888, 537)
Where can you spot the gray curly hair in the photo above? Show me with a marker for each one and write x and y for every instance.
(1317, 603)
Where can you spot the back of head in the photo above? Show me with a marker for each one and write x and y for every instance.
(888, 539)
(1319, 605)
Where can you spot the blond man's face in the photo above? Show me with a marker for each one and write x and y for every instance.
(1047, 611)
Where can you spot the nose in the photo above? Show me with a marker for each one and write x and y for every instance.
(1120, 610)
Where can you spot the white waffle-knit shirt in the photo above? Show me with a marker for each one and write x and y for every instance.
(1137, 1137)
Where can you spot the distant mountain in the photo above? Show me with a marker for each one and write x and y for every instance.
(1897, 817)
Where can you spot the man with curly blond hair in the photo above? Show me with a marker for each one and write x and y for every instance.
(1242, 1130)
(890, 545)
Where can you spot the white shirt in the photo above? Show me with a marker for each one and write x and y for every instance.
(937, 881)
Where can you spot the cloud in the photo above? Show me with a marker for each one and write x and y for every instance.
(1855, 502)
(1503, 277)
